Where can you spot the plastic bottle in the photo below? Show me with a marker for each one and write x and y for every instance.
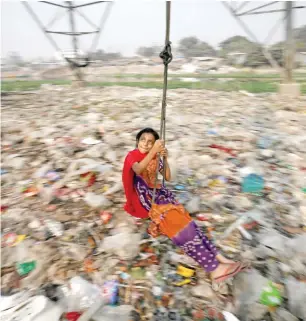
(23, 265)
(252, 183)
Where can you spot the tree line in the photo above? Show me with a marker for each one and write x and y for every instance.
(189, 47)
(193, 47)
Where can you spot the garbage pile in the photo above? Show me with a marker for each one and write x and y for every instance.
(69, 252)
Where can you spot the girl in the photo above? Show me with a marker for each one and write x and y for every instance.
(168, 217)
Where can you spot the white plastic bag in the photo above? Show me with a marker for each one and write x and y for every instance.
(80, 294)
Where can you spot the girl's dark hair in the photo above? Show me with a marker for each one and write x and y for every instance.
(149, 131)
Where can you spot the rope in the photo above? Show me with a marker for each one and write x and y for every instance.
(166, 56)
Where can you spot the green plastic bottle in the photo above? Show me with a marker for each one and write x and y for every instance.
(25, 268)
(271, 296)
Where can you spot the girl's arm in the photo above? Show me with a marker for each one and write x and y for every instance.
(167, 171)
(164, 154)
(138, 168)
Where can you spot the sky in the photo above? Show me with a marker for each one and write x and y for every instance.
(132, 24)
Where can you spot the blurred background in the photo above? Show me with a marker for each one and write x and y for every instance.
(212, 49)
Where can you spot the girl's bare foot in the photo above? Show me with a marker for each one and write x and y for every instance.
(224, 260)
(224, 271)
(220, 270)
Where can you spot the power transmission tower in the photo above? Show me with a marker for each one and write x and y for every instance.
(288, 86)
(76, 62)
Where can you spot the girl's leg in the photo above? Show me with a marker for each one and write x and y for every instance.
(213, 248)
(177, 224)
(223, 259)
(195, 244)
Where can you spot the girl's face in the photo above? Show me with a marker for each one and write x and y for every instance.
(145, 143)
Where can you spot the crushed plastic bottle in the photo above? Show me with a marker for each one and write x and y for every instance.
(252, 183)
(25, 268)
(270, 296)
(54, 227)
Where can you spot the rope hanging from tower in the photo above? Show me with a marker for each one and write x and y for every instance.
(166, 56)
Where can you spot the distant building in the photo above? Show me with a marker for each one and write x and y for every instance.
(300, 57)
(237, 58)
(200, 59)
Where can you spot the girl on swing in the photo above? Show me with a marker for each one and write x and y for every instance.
(168, 216)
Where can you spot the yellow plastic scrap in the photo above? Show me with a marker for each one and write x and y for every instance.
(185, 271)
(105, 188)
(184, 282)
(19, 239)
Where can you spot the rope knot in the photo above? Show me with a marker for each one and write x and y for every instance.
(166, 54)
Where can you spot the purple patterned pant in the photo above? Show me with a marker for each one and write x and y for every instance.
(191, 239)
(195, 244)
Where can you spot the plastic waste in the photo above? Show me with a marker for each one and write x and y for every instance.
(137, 273)
(114, 189)
(35, 308)
(180, 187)
(185, 271)
(52, 176)
(245, 171)
(86, 165)
(47, 193)
(110, 292)
(90, 141)
(248, 288)
(110, 313)
(51, 291)
(9, 301)
(97, 201)
(41, 172)
(296, 292)
(105, 216)
(240, 221)
(270, 296)
(89, 178)
(3, 171)
(25, 268)
(12, 239)
(245, 233)
(52, 134)
(80, 294)
(273, 240)
(74, 251)
(22, 252)
(193, 205)
(224, 149)
(125, 245)
(212, 132)
(229, 316)
(252, 184)
(203, 217)
(54, 227)
(264, 142)
(72, 316)
(283, 315)
(30, 190)
(3, 208)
